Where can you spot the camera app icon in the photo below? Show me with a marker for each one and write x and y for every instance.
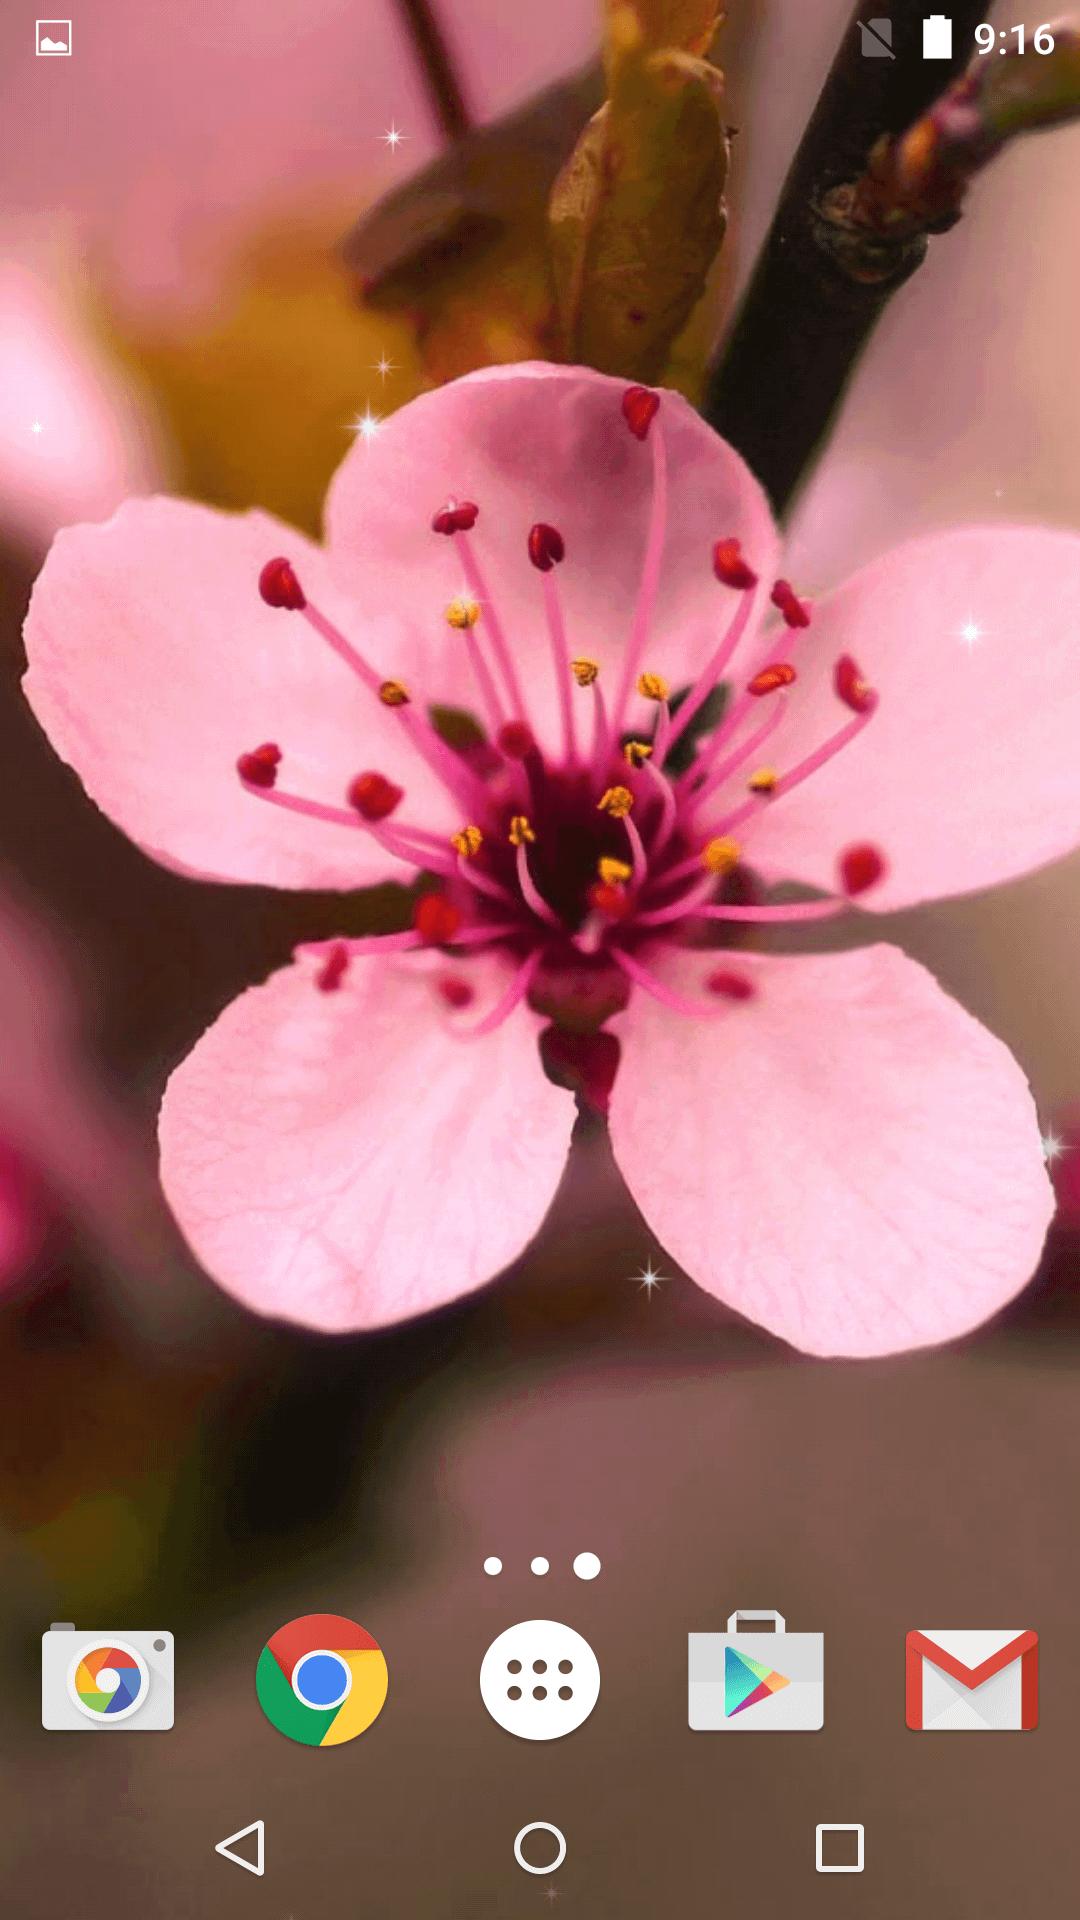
(96, 1681)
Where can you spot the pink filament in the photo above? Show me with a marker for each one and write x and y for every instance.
(530, 892)
(445, 764)
(483, 882)
(710, 677)
(506, 1003)
(660, 990)
(560, 656)
(601, 746)
(788, 914)
(669, 809)
(802, 771)
(737, 758)
(679, 909)
(637, 852)
(485, 680)
(492, 624)
(395, 843)
(650, 576)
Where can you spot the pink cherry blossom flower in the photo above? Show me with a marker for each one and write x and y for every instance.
(70, 1157)
(827, 1142)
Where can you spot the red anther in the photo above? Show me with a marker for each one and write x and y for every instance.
(436, 919)
(640, 407)
(784, 598)
(458, 516)
(457, 993)
(374, 796)
(333, 969)
(730, 568)
(613, 902)
(259, 767)
(731, 985)
(516, 740)
(780, 674)
(280, 587)
(861, 867)
(546, 546)
(853, 690)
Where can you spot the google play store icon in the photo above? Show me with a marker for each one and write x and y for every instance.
(757, 1677)
(747, 1681)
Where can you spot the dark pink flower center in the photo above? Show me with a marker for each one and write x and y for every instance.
(579, 864)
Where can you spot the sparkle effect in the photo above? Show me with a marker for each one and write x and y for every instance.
(36, 427)
(971, 633)
(383, 367)
(366, 425)
(393, 137)
(1053, 1146)
(648, 1280)
(579, 866)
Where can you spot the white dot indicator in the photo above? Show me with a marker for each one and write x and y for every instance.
(587, 1566)
(492, 1565)
(540, 1565)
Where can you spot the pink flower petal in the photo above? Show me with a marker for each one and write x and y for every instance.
(968, 772)
(22, 1216)
(550, 444)
(349, 1159)
(154, 663)
(848, 1158)
(71, 440)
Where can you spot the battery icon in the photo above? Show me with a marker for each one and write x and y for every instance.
(937, 37)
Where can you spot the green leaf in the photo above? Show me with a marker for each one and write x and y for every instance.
(447, 217)
(637, 215)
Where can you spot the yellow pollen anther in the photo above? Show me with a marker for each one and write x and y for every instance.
(617, 801)
(719, 856)
(520, 830)
(763, 780)
(393, 694)
(463, 612)
(468, 842)
(585, 672)
(637, 752)
(612, 872)
(653, 686)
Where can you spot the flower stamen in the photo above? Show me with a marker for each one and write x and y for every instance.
(492, 624)
(547, 551)
(794, 611)
(649, 586)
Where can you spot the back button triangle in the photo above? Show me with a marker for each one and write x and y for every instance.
(227, 1848)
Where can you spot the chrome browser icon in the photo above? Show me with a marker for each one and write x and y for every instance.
(321, 1680)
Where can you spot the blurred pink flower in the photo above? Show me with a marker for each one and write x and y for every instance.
(827, 1142)
(134, 173)
(162, 145)
(73, 439)
(22, 1218)
(67, 1154)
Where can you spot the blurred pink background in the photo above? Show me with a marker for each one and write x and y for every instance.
(167, 1456)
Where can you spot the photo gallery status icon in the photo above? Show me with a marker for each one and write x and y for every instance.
(52, 39)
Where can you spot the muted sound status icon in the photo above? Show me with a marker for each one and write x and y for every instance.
(321, 1680)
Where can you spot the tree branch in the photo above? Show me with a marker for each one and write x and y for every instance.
(819, 288)
(433, 58)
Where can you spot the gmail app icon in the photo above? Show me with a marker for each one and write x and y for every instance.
(965, 1680)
